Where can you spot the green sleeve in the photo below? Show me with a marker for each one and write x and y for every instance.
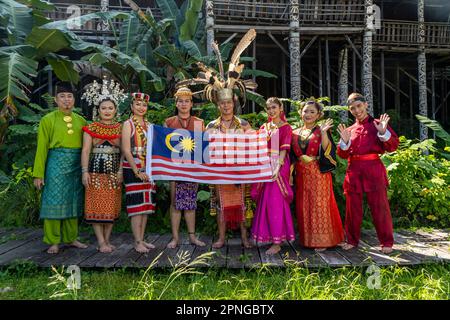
(43, 144)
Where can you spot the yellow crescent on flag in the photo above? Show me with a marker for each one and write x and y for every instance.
(169, 146)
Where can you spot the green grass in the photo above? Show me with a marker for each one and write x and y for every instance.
(420, 282)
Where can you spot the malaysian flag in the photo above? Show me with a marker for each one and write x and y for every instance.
(204, 157)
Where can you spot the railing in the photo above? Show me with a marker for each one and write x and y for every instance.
(404, 33)
(272, 12)
(64, 11)
(336, 12)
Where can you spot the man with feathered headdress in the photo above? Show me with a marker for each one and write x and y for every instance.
(229, 201)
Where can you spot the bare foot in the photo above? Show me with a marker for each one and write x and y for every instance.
(320, 249)
(197, 242)
(386, 250)
(139, 247)
(54, 249)
(347, 246)
(104, 248)
(218, 244)
(78, 244)
(148, 245)
(172, 244)
(274, 249)
(111, 246)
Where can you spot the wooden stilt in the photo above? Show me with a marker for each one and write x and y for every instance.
(383, 85)
(320, 70)
(327, 71)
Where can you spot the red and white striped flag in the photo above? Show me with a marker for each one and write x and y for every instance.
(211, 158)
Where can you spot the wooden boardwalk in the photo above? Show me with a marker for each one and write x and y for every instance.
(411, 248)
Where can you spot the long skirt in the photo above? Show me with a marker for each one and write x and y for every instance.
(273, 220)
(139, 195)
(319, 222)
(103, 199)
(62, 196)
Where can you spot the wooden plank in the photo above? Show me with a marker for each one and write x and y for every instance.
(71, 256)
(271, 260)
(401, 254)
(333, 258)
(441, 245)
(201, 250)
(376, 255)
(186, 249)
(121, 241)
(288, 254)
(425, 252)
(24, 252)
(19, 238)
(308, 257)
(251, 258)
(220, 256)
(234, 254)
(356, 256)
(411, 235)
(160, 248)
(132, 256)
(434, 235)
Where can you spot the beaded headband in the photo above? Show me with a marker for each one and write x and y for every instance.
(358, 98)
(140, 96)
(183, 92)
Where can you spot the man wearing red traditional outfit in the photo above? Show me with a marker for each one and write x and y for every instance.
(361, 144)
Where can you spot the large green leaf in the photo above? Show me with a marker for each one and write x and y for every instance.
(170, 10)
(169, 54)
(189, 26)
(145, 50)
(436, 127)
(42, 5)
(111, 54)
(19, 20)
(128, 35)
(65, 25)
(192, 48)
(256, 97)
(16, 71)
(63, 68)
(258, 73)
(23, 49)
(45, 40)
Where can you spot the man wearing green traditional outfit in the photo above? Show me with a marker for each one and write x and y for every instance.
(57, 170)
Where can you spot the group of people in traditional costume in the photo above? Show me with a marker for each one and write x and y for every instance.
(105, 154)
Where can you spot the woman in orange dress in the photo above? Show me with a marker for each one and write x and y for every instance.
(102, 173)
(314, 153)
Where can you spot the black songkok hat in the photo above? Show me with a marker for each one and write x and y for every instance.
(64, 87)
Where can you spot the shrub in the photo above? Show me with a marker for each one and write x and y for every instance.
(419, 189)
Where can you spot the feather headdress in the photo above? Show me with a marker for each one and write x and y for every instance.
(220, 85)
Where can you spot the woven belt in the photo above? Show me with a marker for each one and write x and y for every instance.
(107, 150)
(308, 159)
(364, 157)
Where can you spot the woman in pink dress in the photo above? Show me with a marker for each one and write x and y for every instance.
(273, 221)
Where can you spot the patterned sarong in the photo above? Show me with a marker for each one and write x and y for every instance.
(232, 204)
(62, 196)
(139, 194)
(185, 195)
